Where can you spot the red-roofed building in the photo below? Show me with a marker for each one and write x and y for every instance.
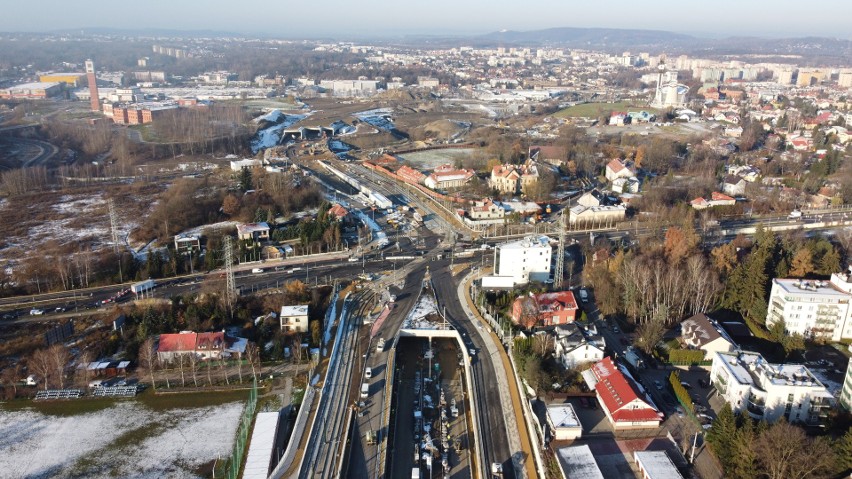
(616, 169)
(204, 345)
(716, 199)
(619, 395)
(410, 175)
(338, 212)
(552, 308)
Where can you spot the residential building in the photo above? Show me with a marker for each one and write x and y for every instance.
(716, 199)
(619, 395)
(253, 231)
(616, 169)
(814, 309)
(294, 318)
(187, 243)
(554, 155)
(427, 82)
(548, 309)
(513, 179)
(563, 422)
(592, 198)
(701, 332)
(767, 391)
(618, 118)
(576, 345)
(339, 212)
(655, 465)
(522, 261)
(734, 185)
(626, 185)
(486, 210)
(596, 214)
(846, 391)
(447, 178)
(212, 345)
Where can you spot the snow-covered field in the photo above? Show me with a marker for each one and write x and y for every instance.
(125, 440)
(379, 118)
(431, 159)
(417, 318)
(270, 136)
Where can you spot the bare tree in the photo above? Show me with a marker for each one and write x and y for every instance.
(83, 367)
(543, 343)
(192, 359)
(240, 368)
(253, 356)
(181, 363)
(163, 364)
(209, 366)
(41, 365)
(296, 342)
(148, 359)
(59, 357)
(224, 370)
(10, 377)
(785, 452)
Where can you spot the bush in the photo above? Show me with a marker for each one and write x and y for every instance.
(686, 356)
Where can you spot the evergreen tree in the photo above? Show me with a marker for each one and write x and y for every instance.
(722, 436)
(246, 179)
(843, 446)
(743, 459)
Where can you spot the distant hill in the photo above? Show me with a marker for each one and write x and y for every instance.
(588, 37)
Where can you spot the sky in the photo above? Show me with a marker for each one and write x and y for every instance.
(389, 18)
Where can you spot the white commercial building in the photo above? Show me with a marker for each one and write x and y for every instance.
(563, 422)
(578, 462)
(814, 309)
(767, 391)
(655, 465)
(520, 262)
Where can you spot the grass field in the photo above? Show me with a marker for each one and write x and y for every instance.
(594, 110)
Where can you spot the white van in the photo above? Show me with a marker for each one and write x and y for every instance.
(257, 270)
(365, 390)
(368, 373)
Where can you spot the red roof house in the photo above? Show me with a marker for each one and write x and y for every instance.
(553, 308)
(624, 406)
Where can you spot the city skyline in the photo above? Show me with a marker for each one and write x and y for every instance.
(382, 18)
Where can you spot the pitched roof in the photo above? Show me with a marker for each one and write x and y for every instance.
(338, 211)
(617, 392)
(615, 165)
(699, 331)
(716, 196)
(172, 343)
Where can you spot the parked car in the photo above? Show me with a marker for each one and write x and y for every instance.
(704, 383)
(658, 385)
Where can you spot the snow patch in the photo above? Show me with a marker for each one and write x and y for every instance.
(36, 445)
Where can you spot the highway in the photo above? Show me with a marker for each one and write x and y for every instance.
(492, 427)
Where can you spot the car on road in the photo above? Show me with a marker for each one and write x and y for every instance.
(36, 312)
(658, 385)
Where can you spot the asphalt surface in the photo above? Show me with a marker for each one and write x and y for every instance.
(492, 425)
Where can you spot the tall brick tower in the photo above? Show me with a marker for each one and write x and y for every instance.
(93, 85)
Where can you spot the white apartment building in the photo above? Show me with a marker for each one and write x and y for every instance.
(769, 391)
(846, 392)
(524, 260)
(813, 308)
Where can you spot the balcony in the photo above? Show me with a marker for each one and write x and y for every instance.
(755, 406)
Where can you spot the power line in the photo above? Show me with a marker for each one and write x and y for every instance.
(230, 285)
(560, 254)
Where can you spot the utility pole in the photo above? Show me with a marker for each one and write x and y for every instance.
(559, 272)
(113, 225)
(230, 285)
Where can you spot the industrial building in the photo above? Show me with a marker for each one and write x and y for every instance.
(669, 93)
(72, 80)
(32, 91)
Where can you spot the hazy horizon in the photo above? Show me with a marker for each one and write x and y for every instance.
(384, 18)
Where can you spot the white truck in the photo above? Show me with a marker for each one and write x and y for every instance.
(142, 286)
(380, 346)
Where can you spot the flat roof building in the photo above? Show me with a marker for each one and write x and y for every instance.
(32, 91)
(768, 391)
(563, 422)
(814, 309)
(655, 465)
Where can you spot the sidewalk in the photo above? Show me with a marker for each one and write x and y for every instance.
(518, 416)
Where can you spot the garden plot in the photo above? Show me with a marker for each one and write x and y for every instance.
(125, 440)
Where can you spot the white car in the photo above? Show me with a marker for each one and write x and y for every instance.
(36, 312)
